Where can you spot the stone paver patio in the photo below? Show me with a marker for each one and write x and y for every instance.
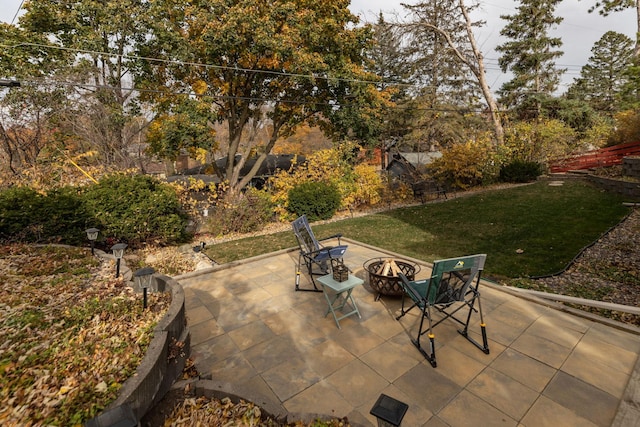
(256, 336)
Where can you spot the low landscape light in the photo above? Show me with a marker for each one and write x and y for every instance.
(389, 411)
(9, 83)
(142, 278)
(118, 253)
(92, 235)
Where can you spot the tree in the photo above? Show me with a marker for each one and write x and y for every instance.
(529, 55)
(630, 93)
(264, 65)
(99, 35)
(606, 7)
(390, 61)
(30, 113)
(604, 76)
(443, 38)
(186, 125)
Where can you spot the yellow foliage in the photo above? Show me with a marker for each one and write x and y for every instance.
(185, 191)
(366, 188)
(199, 154)
(463, 165)
(627, 127)
(539, 141)
(597, 135)
(199, 87)
(357, 185)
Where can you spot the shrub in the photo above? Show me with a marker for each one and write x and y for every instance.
(15, 223)
(248, 213)
(316, 200)
(463, 165)
(63, 216)
(539, 141)
(626, 128)
(354, 185)
(520, 171)
(366, 189)
(136, 209)
(58, 216)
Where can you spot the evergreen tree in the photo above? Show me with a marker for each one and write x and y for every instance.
(436, 69)
(630, 91)
(602, 79)
(390, 61)
(449, 69)
(530, 54)
(606, 7)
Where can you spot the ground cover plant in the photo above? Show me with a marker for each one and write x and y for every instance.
(528, 230)
(71, 334)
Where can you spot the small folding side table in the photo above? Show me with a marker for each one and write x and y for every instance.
(338, 295)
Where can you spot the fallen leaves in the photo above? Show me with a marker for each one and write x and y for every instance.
(71, 334)
(204, 411)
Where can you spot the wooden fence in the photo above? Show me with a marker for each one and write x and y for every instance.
(597, 158)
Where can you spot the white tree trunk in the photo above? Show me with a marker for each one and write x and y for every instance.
(482, 77)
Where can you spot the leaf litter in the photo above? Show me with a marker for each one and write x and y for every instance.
(71, 334)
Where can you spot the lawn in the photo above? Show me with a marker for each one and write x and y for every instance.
(528, 230)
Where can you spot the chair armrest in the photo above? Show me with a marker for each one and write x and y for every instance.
(335, 236)
(408, 289)
(327, 252)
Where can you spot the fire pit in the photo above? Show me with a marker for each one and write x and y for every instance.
(383, 274)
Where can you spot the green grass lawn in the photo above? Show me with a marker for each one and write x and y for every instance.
(549, 224)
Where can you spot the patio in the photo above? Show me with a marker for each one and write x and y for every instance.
(256, 336)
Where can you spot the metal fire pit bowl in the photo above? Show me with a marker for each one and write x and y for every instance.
(389, 284)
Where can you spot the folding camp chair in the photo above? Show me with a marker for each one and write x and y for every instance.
(453, 280)
(313, 254)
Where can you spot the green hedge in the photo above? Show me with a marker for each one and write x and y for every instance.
(27, 216)
(520, 171)
(133, 209)
(316, 200)
(136, 209)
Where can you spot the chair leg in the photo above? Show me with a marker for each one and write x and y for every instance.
(309, 268)
(431, 355)
(464, 332)
(402, 310)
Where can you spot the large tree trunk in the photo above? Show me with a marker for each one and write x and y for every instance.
(482, 78)
(476, 66)
(637, 50)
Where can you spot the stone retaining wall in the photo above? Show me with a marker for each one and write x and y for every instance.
(626, 188)
(631, 167)
(162, 364)
(217, 390)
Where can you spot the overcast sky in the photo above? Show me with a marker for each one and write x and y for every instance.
(579, 30)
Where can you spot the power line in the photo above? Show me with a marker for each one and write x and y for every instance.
(490, 61)
(196, 64)
(17, 12)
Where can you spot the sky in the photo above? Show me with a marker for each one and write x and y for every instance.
(579, 30)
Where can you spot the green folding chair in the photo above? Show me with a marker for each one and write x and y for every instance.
(452, 287)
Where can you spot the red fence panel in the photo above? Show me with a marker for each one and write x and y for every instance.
(608, 156)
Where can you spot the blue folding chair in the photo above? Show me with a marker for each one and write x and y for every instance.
(453, 285)
(316, 258)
